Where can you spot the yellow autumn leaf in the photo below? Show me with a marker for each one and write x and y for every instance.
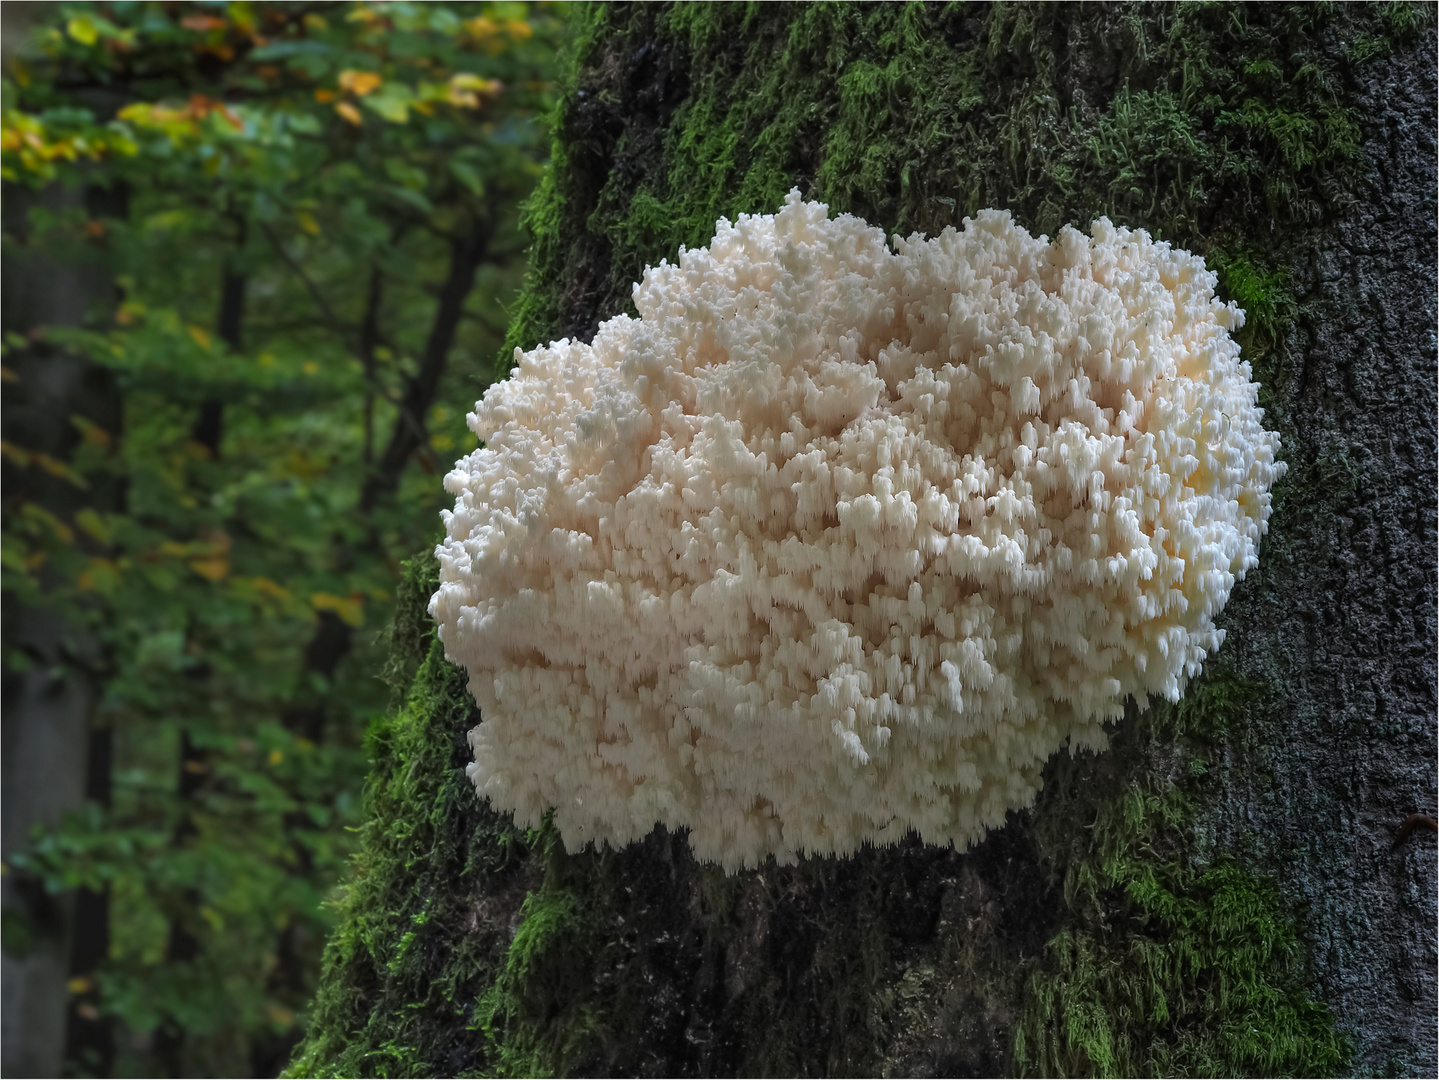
(18, 454)
(92, 433)
(306, 466)
(101, 575)
(349, 112)
(93, 524)
(212, 569)
(80, 984)
(519, 30)
(200, 336)
(360, 83)
(308, 223)
(56, 467)
(61, 531)
(139, 112)
(242, 14)
(82, 28)
(481, 28)
(270, 588)
(464, 90)
(276, 756)
(465, 80)
(350, 609)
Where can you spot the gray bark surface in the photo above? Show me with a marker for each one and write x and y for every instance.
(1349, 629)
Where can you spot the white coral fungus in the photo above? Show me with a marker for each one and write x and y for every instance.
(835, 542)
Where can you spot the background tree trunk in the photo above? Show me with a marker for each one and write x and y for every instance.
(54, 755)
(1222, 890)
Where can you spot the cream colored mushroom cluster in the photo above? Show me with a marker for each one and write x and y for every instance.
(836, 541)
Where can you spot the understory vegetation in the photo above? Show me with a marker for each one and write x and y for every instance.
(270, 247)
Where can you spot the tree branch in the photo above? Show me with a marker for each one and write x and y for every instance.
(313, 289)
(407, 418)
(369, 337)
(467, 252)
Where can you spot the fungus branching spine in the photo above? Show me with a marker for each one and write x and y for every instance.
(837, 541)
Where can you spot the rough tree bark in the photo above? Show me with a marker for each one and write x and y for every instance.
(1220, 892)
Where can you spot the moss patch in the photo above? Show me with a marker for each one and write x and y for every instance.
(425, 920)
(1198, 123)
(1175, 959)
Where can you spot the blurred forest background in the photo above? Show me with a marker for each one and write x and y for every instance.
(257, 258)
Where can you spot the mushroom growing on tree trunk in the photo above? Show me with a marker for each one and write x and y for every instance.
(1219, 891)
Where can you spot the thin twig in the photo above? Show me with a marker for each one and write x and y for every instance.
(409, 419)
(310, 286)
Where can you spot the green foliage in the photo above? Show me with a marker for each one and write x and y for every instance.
(335, 161)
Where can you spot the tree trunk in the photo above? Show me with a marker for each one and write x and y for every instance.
(54, 755)
(1223, 890)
